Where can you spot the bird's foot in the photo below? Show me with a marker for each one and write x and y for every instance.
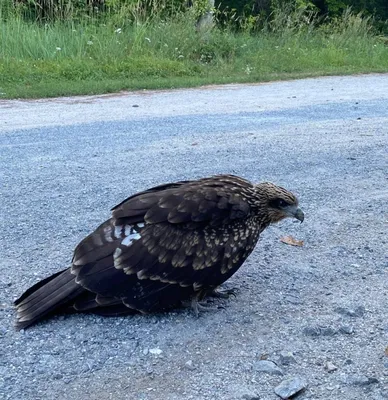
(198, 306)
(223, 294)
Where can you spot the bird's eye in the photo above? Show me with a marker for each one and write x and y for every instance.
(278, 203)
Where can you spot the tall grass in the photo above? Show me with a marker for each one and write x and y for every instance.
(126, 49)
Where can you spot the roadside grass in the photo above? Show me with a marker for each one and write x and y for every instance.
(90, 56)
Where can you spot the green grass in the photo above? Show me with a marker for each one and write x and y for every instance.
(89, 57)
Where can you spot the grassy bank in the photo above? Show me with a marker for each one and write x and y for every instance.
(90, 56)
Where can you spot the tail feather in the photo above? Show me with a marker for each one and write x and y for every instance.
(45, 297)
(35, 287)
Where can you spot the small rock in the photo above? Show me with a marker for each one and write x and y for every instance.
(328, 331)
(135, 105)
(251, 397)
(292, 299)
(286, 358)
(189, 365)
(358, 380)
(359, 311)
(347, 329)
(290, 387)
(319, 331)
(312, 331)
(156, 351)
(268, 367)
(330, 367)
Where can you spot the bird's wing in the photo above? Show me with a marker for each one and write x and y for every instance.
(163, 242)
(212, 201)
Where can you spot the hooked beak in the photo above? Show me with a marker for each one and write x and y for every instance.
(299, 214)
(295, 212)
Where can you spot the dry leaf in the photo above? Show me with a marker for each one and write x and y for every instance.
(194, 144)
(386, 351)
(292, 241)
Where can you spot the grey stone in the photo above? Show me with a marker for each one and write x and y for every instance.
(347, 329)
(319, 331)
(290, 387)
(251, 397)
(268, 367)
(358, 311)
(358, 380)
(189, 365)
(292, 299)
(328, 331)
(286, 358)
(312, 331)
(330, 367)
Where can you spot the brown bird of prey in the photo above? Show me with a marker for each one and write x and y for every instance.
(170, 244)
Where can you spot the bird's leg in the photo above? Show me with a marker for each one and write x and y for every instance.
(223, 294)
(198, 306)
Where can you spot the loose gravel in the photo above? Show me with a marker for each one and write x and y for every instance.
(315, 316)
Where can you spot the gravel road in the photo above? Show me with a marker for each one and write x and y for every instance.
(318, 313)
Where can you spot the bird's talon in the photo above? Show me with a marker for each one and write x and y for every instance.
(198, 306)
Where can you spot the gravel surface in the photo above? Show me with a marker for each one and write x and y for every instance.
(317, 314)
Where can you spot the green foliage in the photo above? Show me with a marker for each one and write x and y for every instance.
(252, 13)
(245, 14)
(335, 7)
(132, 50)
(293, 19)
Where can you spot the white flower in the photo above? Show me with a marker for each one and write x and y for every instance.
(58, 49)
(89, 42)
(248, 69)
(118, 30)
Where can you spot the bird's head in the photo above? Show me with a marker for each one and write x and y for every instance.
(277, 202)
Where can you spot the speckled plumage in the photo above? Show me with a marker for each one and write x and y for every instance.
(162, 246)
